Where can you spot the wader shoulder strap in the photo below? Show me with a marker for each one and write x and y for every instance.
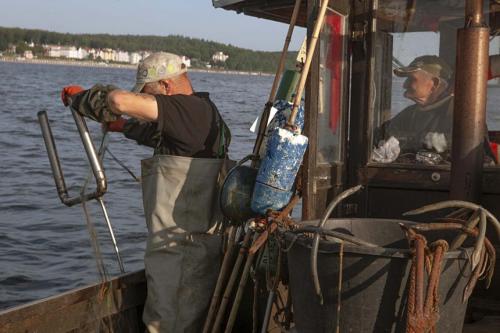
(218, 144)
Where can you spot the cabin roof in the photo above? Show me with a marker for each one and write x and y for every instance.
(394, 15)
(276, 10)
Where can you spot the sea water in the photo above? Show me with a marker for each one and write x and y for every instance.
(44, 245)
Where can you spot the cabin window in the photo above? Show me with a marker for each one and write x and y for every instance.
(492, 106)
(332, 91)
(412, 82)
(412, 107)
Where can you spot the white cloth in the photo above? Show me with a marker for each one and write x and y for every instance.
(182, 259)
(436, 141)
(387, 151)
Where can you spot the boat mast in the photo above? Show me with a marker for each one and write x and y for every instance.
(469, 127)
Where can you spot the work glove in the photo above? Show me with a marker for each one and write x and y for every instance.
(93, 103)
(68, 91)
(436, 141)
(117, 125)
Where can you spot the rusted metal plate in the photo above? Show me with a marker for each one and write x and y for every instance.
(119, 302)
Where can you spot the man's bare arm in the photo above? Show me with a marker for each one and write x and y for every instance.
(139, 106)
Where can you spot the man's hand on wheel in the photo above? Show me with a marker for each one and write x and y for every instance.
(69, 91)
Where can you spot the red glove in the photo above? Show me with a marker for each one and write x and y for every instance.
(117, 125)
(69, 91)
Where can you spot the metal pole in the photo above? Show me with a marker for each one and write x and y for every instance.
(55, 164)
(221, 279)
(110, 228)
(469, 113)
(241, 288)
(267, 314)
(474, 13)
(230, 284)
(92, 156)
(305, 70)
(265, 114)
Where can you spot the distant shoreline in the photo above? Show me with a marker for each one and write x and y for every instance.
(96, 64)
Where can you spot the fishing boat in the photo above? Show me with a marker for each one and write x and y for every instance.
(350, 92)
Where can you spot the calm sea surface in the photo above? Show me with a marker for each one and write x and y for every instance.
(44, 246)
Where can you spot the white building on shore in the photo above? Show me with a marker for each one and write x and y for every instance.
(70, 52)
(219, 57)
(122, 56)
(107, 55)
(135, 57)
(28, 54)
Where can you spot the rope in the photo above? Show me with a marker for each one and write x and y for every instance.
(289, 247)
(95, 244)
(423, 309)
(101, 268)
(120, 163)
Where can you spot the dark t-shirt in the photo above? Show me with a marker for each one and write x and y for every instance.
(188, 125)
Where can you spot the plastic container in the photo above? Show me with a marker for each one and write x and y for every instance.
(278, 170)
(374, 282)
(236, 194)
(267, 197)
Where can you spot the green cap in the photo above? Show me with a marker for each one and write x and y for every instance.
(429, 63)
(158, 66)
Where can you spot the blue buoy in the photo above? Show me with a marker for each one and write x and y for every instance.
(279, 121)
(266, 197)
(284, 110)
(278, 169)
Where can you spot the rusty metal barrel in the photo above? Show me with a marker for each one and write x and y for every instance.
(375, 280)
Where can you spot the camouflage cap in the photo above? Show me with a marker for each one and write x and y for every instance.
(429, 63)
(156, 67)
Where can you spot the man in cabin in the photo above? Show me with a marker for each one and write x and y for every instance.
(179, 183)
(426, 125)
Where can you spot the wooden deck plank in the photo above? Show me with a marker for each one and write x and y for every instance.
(81, 309)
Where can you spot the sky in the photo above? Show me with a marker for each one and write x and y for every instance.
(190, 18)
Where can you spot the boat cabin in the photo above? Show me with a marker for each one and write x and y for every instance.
(352, 91)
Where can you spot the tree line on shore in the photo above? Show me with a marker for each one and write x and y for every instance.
(200, 51)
